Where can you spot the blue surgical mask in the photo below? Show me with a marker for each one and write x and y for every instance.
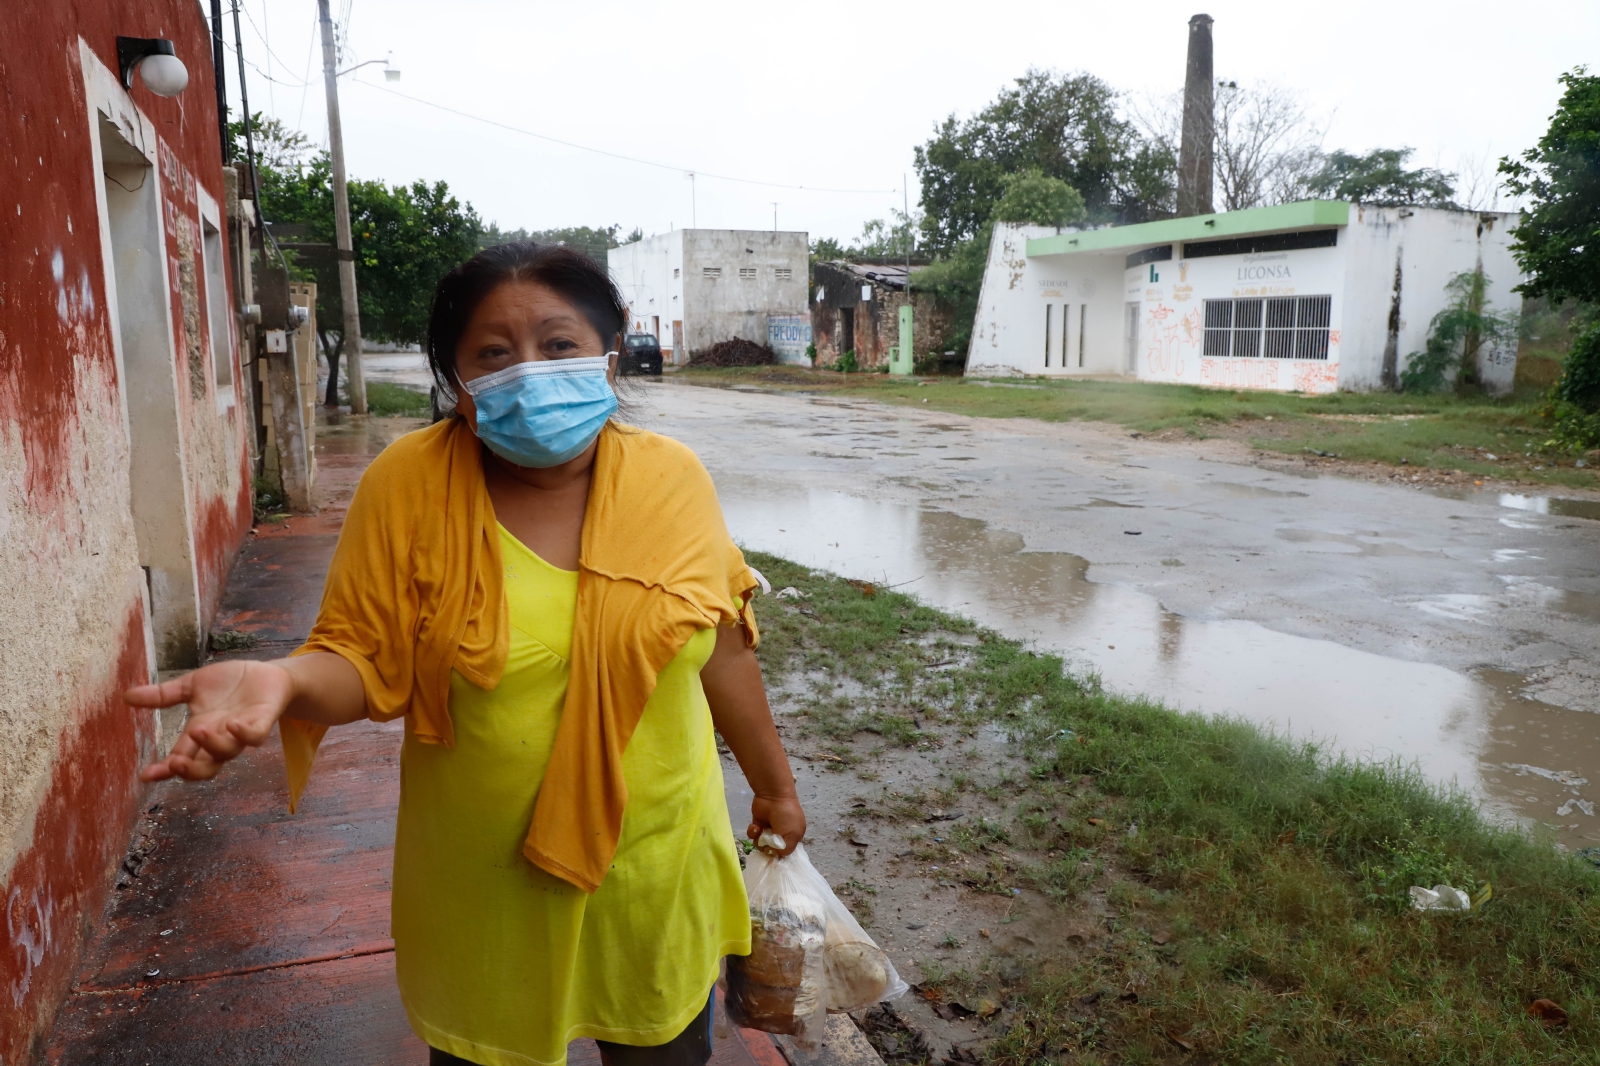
(543, 413)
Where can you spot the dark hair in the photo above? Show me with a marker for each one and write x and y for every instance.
(571, 275)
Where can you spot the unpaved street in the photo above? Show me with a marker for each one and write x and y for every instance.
(1455, 631)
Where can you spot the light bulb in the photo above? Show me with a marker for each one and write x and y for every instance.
(164, 75)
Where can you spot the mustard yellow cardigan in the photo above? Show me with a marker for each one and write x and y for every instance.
(415, 591)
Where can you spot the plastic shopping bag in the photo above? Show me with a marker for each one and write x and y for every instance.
(808, 955)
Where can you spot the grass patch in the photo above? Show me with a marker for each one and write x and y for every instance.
(1443, 432)
(385, 399)
(1259, 912)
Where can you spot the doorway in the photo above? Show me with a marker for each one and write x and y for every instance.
(147, 369)
(847, 330)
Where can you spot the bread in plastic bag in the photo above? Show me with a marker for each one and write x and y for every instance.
(808, 954)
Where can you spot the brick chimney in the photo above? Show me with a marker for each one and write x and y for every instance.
(1194, 155)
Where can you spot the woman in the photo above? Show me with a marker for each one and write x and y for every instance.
(552, 602)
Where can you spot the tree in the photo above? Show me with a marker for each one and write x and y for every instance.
(1266, 146)
(956, 280)
(887, 238)
(1033, 196)
(404, 238)
(1557, 243)
(1066, 126)
(586, 239)
(827, 250)
(1380, 178)
(1457, 336)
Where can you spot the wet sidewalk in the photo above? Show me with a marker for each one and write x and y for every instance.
(238, 935)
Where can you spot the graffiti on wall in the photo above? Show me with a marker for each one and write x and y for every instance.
(1316, 377)
(789, 336)
(1239, 373)
(1169, 339)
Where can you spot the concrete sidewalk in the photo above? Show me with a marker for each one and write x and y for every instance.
(238, 935)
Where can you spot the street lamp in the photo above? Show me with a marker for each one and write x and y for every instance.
(390, 71)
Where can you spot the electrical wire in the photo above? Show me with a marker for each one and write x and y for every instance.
(616, 155)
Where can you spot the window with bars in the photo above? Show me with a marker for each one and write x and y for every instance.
(747, 272)
(1278, 327)
(711, 272)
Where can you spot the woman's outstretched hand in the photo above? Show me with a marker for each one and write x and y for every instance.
(782, 815)
(232, 706)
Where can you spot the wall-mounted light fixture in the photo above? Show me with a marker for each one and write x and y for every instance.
(153, 57)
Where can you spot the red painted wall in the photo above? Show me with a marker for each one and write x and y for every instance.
(56, 354)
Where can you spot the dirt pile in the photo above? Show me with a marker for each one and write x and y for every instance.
(735, 352)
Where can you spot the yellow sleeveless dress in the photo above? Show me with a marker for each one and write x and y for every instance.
(501, 963)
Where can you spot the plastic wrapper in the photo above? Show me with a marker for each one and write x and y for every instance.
(808, 954)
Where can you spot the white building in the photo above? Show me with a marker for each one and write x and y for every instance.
(694, 287)
(1313, 296)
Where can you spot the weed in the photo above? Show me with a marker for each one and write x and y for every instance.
(1277, 872)
(387, 399)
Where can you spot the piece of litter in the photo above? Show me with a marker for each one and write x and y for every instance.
(1439, 898)
(1564, 810)
(790, 593)
(152, 973)
(166, 932)
(1133, 830)
(766, 586)
(1016, 891)
(1586, 807)
(1565, 777)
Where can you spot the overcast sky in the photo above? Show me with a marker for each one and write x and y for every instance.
(835, 95)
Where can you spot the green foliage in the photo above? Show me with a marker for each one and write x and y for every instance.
(1557, 243)
(385, 398)
(1573, 409)
(1279, 873)
(1066, 126)
(956, 280)
(847, 363)
(887, 238)
(592, 242)
(1380, 177)
(1034, 197)
(404, 237)
(1580, 376)
(827, 250)
(1457, 336)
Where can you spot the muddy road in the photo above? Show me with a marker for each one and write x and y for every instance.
(1459, 632)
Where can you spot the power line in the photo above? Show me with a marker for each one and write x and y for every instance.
(615, 155)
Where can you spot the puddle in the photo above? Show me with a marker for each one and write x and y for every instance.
(1454, 727)
(1560, 506)
(1556, 505)
(1242, 491)
(1361, 542)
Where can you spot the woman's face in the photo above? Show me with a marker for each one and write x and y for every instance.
(521, 322)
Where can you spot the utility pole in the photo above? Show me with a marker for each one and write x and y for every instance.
(341, 220)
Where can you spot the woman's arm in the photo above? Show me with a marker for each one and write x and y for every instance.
(732, 682)
(234, 705)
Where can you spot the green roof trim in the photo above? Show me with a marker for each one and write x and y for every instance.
(1303, 214)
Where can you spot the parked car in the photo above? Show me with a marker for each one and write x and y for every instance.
(641, 355)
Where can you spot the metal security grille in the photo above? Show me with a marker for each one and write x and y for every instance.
(1281, 327)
